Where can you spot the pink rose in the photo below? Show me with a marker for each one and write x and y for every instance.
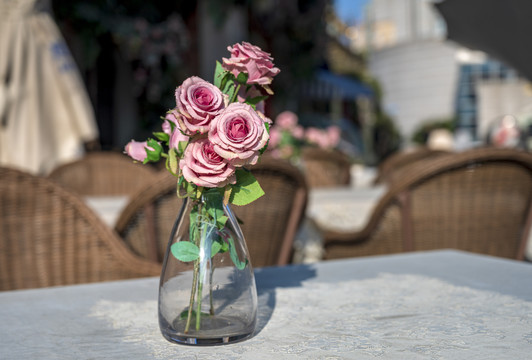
(176, 136)
(334, 134)
(275, 137)
(252, 60)
(298, 132)
(202, 166)
(286, 120)
(198, 101)
(238, 134)
(313, 135)
(137, 150)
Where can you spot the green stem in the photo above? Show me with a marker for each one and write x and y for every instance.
(192, 294)
(198, 306)
(235, 95)
(210, 290)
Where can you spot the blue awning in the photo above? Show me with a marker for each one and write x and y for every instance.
(328, 85)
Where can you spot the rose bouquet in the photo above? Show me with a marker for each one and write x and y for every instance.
(215, 130)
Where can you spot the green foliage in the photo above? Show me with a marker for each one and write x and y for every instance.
(421, 134)
(185, 251)
(234, 255)
(246, 190)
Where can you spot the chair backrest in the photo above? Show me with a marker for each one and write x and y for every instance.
(146, 221)
(48, 237)
(270, 223)
(478, 201)
(391, 168)
(325, 168)
(103, 173)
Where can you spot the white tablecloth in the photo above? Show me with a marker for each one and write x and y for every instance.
(430, 305)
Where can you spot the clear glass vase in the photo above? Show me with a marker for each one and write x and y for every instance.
(207, 292)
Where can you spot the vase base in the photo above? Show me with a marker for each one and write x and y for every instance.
(191, 340)
(227, 331)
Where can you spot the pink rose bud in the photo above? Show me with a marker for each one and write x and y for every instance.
(171, 117)
(238, 134)
(137, 150)
(198, 102)
(202, 166)
(250, 59)
(176, 136)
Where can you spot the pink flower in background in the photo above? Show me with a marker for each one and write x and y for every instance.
(275, 137)
(334, 134)
(313, 135)
(252, 60)
(137, 150)
(298, 132)
(238, 134)
(286, 120)
(202, 166)
(198, 102)
(325, 139)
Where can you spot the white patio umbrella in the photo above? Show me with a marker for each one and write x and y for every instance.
(45, 113)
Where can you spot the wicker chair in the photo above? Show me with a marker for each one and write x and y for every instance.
(103, 173)
(476, 201)
(325, 168)
(50, 237)
(269, 224)
(146, 221)
(392, 167)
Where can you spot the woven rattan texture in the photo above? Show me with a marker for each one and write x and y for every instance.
(146, 222)
(49, 237)
(325, 168)
(103, 173)
(477, 201)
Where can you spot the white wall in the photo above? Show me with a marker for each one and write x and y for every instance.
(418, 80)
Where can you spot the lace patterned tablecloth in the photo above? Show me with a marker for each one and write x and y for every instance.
(429, 305)
(387, 317)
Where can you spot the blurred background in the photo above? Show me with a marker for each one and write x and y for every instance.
(383, 71)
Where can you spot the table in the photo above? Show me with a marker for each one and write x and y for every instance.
(427, 305)
(108, 208)
(338, 208)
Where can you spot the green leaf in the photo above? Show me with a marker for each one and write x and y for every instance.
(185, 251)
(162, 136)
(246, 190)
(219, 73)
(220, 221)
(155, 154)
(184, 314)
(229, 86)
(242, 78)
(181, 146)
(215, 248)
(172, 161)
(256, 100)
(234, 255)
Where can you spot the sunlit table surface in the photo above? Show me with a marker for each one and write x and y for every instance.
(428, 305)
(108, 208)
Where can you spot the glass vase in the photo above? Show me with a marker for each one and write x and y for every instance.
(207, 292)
